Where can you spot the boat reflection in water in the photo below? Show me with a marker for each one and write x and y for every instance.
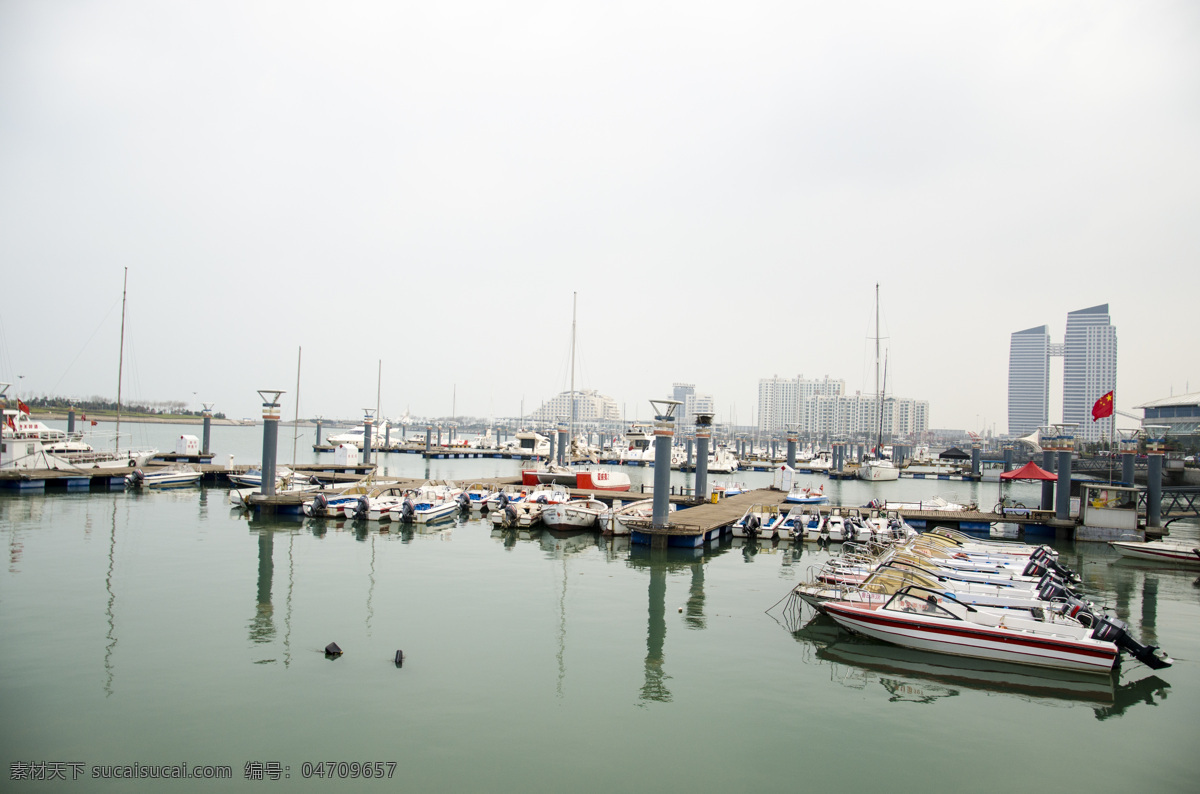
(921, 676)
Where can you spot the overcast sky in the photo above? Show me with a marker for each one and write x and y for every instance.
(722, 184)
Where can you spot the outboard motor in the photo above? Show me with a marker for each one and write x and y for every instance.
(1045, 557)
(464, 502)
(1109, 629)
(137, 477)
(362, 507)
(503, 499)
(407, 512)
(752, 525)
(848, 533)
(510, 516)
(318, 505)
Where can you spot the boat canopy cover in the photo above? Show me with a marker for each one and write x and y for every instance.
(1030, 471)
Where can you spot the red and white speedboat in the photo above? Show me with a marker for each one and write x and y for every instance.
(921, 618)
(1160, 550)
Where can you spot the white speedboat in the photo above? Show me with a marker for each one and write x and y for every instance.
(1173, 551)
(169, 477)
(806, 495)
(925, 619)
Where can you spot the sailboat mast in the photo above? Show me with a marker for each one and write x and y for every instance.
(878, 397)
(121, 361)
(574, 303)
(296, 424)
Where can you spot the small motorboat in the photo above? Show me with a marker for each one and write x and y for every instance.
(807, 495)
(1174, 551)
(576, 514)
(925, 619)
(169, 477)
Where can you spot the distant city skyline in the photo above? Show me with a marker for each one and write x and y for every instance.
(1089, 353)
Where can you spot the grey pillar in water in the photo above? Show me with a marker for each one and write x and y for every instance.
(71, 419)
(664, 436)
(439, 435)
(975, 464)
(368, 437)
(1127, 464)
(1154, 466)
(791, 448)
(270, 446)
(551, 457)
(318, 441)
(428, 438)
(1008, 458)
(703, 434)
(387, 437)
(563, 445)
(1062, 497)
(1047, 485)
(207, 414)
(690, 459)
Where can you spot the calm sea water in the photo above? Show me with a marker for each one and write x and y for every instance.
(161, 628)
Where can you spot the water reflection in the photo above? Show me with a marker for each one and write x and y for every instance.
(661, 562)
(262, 625)
(110, 609)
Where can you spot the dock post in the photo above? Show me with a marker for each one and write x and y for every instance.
(1155, 446)
(703, 434)
(428, 438)
(562, 443)
(439, 429)
(690, 459)
(859, 452)
(1008, 457)
(1047, 440)
(664, 436)
(207, 414)
(792, 438)
(71, 419)
(1062, 497)
(387, 436)
(1129, 445)
(318, 441)
(368, 436)
(270, 398)
(551, 458)
(975, 464)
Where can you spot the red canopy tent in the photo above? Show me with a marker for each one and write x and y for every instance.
(1030, 471)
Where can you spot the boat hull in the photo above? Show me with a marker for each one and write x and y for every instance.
(959, 638)
(1159, 552)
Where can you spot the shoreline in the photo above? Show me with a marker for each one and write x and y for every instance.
(156, 420)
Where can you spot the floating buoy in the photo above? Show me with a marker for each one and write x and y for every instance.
(399, 658)
(681, 610)
(332, 649)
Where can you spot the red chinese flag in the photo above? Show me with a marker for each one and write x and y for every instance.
(1103, 407)
(10, 424)
(22, 407)
(94, 423)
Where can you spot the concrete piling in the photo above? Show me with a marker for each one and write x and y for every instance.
(270, 439)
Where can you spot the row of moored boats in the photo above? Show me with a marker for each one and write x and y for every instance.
(947, 592)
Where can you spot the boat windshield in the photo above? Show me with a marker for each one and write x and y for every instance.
(921, 601)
